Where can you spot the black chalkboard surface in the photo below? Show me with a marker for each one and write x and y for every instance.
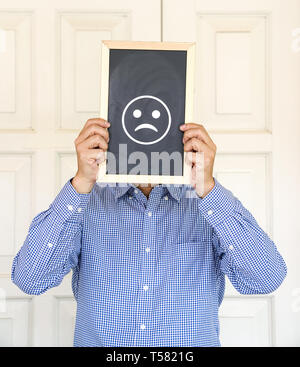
(146, 104)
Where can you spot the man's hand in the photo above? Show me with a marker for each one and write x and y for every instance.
(91, 145)
(196, 140)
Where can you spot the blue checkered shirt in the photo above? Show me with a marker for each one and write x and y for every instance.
(147, 272)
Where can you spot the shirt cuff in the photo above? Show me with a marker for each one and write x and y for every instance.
(217, 205)
(69, 203)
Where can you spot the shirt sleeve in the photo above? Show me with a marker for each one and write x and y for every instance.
(53, 243)
(246, 254)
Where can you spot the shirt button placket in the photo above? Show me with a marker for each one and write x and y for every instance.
(144, 322)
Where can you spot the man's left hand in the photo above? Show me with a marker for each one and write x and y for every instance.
(196, 140)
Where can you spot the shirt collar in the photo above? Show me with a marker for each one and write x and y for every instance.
(120, 189)
(176, 191)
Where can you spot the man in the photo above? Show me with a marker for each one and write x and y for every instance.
(148, 263)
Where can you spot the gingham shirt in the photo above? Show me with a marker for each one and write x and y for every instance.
(147, 272)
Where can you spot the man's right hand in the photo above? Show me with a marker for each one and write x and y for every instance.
(91, 145)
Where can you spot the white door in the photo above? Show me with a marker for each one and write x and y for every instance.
(49, 87)
(247, 94)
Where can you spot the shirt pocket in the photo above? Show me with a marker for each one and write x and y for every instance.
(191, 267)
(187, 253)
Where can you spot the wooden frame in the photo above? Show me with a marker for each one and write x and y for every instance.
(189, 47)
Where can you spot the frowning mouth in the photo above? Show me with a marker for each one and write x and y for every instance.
(146, 126)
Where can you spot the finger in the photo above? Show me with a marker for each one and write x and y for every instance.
(92, 130)
(195, 144)
(194, 133)
(96, 155)
(200, 130)
(192, 129)
(95, 141)
(98, 121)
(192, 158)
(95, 121)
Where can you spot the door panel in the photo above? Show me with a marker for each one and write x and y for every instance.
(15, 69)
(250, 316)
(233, 71)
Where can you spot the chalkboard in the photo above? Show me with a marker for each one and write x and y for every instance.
(145, 92)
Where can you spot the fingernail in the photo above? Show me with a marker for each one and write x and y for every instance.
(107, 123)
(182, 127)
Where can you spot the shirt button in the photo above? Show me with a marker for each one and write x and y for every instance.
(166, 198)
(130, 197)
(145, 287)
(79, 210)
(149, 214)
(231, 247)
(143, 326)
(147, 249)
(210, 212)
(135, 191)
(70, 207)
(50, 245)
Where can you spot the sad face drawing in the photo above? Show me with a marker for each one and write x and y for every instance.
(146, 119)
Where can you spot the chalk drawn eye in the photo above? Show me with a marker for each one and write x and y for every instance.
(155, 114)
(137, 113)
